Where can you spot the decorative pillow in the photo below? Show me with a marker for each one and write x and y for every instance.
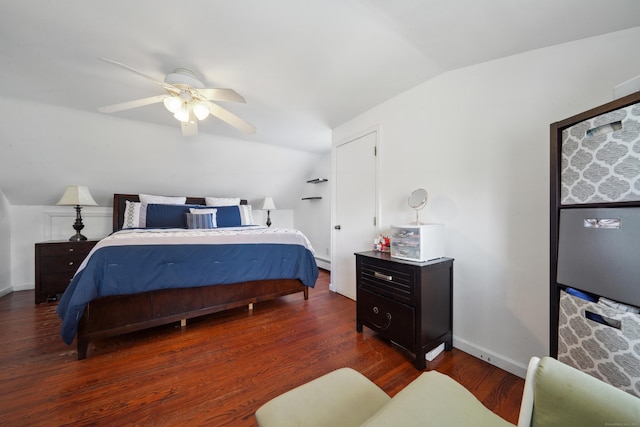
(204, 211)
(200, 220)
(146, 199)
(227, 216)
(246, 215)
(131, 215)
(167, 216)
(222, 201)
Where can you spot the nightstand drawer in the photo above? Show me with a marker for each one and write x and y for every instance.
(389, 318)
(55, 283)
(67, 263)
(390, 279)
(65, 249)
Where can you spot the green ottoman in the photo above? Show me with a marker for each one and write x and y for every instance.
(342, 398)
(434, 399)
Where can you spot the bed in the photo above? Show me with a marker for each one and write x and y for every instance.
(192, 272)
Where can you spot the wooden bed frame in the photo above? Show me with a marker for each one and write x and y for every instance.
(115, 315)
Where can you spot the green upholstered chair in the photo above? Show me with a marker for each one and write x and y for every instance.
(554, 395)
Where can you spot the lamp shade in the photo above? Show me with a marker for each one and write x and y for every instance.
(200, 110)
(173, 103)
(77, 195)
(267, 204)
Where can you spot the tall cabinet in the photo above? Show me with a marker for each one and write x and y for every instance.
(595, 242)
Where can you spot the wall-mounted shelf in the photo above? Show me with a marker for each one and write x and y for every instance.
(315, 181)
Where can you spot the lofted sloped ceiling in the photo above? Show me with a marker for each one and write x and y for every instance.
(304, 67)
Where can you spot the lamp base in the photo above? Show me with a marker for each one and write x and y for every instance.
(78, 225)
(77, 238)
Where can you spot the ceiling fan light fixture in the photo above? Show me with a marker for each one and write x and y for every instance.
(200, 110)
(183, 113)
(173, 103)
(187, 99)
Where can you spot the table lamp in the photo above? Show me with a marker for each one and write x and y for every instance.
(78, 196)
(268, 205)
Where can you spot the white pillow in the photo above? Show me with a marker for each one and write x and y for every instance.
(131, 215)
(246, 215)
(206, 212)
(162, 200)
(146, 199)
(222, 201)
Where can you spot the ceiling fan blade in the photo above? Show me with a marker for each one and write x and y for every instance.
(165, 85)
(132, 104)
(221, 95)
(230, 118)
(189, 128)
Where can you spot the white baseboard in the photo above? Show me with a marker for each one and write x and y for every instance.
(495, 359)
(5, 291)
(324, 264)
(24, 287)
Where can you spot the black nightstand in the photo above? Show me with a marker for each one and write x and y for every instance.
(409, 303)
(56, 263)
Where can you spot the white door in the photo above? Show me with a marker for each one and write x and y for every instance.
(355, 209)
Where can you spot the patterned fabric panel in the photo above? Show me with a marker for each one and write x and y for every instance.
(601, 159)
(246, 215)
(131, 215)
(199, 220)
(609, 351)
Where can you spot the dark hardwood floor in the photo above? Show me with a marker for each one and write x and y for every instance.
(215, 372)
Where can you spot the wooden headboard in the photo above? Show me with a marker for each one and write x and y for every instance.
(119, 205)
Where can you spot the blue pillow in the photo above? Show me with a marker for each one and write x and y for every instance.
(199, 220)
(167, 216)
(226, 216)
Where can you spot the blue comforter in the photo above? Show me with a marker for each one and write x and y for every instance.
(130, 269)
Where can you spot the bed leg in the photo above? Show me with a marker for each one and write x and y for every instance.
(83, 346)
(183, 323)
(250, 306)
(306, 293)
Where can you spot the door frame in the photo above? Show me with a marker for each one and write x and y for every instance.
(334, 183)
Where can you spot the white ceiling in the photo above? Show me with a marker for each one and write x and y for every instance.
(304, 66)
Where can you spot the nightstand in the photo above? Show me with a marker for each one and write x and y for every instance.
(56, 263)
(407, 302)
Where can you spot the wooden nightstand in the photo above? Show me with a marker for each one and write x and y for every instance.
(407, 302)
(56, 263)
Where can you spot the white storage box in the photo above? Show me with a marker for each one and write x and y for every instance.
(417, 242)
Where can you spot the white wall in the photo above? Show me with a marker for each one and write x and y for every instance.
(110, 154)
(5, 246)
(478, 140)
(313, 217)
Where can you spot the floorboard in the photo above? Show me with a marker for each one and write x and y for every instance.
(215, 372)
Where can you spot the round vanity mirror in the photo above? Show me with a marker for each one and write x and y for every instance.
(417, 201)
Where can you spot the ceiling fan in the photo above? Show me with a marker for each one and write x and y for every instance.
(187, 99)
